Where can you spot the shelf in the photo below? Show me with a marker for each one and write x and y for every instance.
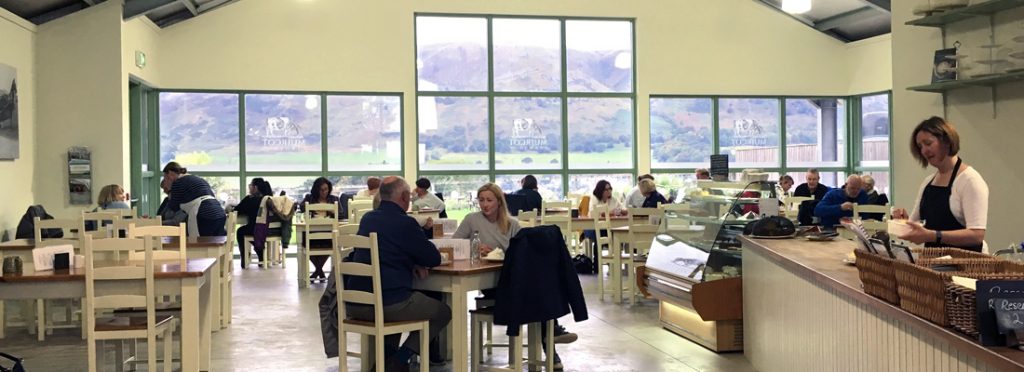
(980, 10)
(987, 81)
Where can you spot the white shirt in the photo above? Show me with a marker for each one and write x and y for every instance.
(427, 201)
(968, 202)
(365, 193)
(635, 198)
(613, 204)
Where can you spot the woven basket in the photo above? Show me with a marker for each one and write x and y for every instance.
(922, 291)
(877, 276)
(961, 302)
(928, 253)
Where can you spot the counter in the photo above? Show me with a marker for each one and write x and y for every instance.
(804, 310)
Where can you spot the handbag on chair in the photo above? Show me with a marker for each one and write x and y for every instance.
(17, 367)
(262, 228)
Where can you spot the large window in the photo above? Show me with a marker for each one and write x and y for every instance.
(748, 131)
(288, 139)
(681, 132)
(873, 140)
(500, 96)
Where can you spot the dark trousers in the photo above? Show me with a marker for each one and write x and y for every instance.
(212, 227)
(417, 307)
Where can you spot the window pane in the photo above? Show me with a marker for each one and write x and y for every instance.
(364, 133)
(199, 130)
(282, 132)
(226, 189)
(748, 130)
(681, 132)
(548, 185)
(527, 55)
(875, 131)
(584, 184)
(451, 53)
(599, 56)
(815, 132)
(459, 193)
(600, 133)
(881, 182)
(830, 179)
(528, 133)
(453, 133)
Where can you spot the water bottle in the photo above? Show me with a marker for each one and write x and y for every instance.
(474, 248)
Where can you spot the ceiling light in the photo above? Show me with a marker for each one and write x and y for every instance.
(796, 6)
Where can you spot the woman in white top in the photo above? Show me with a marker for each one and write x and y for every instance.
(952, 203)
(492, 222)
(603, 197)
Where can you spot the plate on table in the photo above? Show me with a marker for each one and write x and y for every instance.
(773, 237)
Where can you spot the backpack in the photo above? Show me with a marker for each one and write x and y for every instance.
(27, 225)
(583, 264)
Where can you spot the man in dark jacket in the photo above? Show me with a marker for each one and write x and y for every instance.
(812, 188)
(404, 253)
(839, 202)
(531, 198)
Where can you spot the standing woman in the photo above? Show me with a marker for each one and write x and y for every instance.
(320, 193)
(195, 197)
(952, 203)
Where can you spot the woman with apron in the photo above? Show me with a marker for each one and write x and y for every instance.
(194, 196)
(952, 206)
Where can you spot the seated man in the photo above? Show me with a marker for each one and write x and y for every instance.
(372, 186)
(874, 198)
(636, 197)
(839, 202)
(812, 188)
(404, 253)
(424, 199)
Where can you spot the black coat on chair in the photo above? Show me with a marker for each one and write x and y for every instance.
(538, 281)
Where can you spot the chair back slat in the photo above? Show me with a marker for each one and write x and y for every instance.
(125, 295)
(348, 229)
(527, 218)
(121, 226)
(320, 235)
(65, 224)
(356, 269)
(358, 297)
(119, 301)
(119, 272)
(164, 252)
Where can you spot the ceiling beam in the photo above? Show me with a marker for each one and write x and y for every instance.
(57, 13)
(843, 19)
(882, 5)
(191, 7)
(213, 4)
(135, 8)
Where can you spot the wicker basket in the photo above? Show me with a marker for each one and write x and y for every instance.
(922, 291)
(961, 302)
(929, 253)
(876, 274)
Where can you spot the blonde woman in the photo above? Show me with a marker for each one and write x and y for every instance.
(112, 197)
(495, 226)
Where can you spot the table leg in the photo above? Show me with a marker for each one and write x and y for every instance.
(616, 253)
(457, 327)
(205, 322)
(40, 320)
(190, 338)
(3, 320)
(213, 286)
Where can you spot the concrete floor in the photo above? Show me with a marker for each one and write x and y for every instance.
(276, 328)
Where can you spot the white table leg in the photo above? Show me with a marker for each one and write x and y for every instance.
(190, 338)
(616, 253)
(205, 321)
(3, 320)
(213, 286)
(457, 327)
(40, 320)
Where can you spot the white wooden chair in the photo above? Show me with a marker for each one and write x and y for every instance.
(126, 214)
(872, 224)
(358, 205)
(321, 221)
(527, 218)
(614, 257)
(114, 294)
(163, 252)
(358, 215)
(272, 249)
(483, 318)
(227, 269)
(73, 230)
(120, 227)
(562, 220)
(793, 206)
(101, 220)
(640, 238)
(70, 228)
(652, 215)
(377, 328)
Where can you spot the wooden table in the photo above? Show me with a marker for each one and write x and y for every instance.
(455, 280)
(192, 284)
(803, 310)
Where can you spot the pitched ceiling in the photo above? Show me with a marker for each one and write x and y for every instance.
(846, 20)
(162, 12)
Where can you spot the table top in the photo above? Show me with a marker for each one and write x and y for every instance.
(464, 267)
(193, 242)
(163, 270)
(821, 263)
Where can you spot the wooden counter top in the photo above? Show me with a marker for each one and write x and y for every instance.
(821, 263)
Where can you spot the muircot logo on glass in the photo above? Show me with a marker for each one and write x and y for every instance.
(280, 132)
(527, 135)
(748, 132)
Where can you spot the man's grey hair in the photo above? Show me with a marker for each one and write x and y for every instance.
(393, 187)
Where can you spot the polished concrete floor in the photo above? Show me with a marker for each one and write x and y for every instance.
(276, 328)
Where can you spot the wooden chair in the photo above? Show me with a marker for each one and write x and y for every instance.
(562, 220)
(126, 214)
(115, 295)
(165, 252)
(650, 214)
(358, 215)
(793, 205)
(101, 220)
(321, 221)
(272, 249)
(72, 230)
(871, 224)
(69, 227)
(603, 222)
(227, 269)
(483, 318)
(120, 227)
(640, 238)
(377, 328)
(527, 218)
(357, 205)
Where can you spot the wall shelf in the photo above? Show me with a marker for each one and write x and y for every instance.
(984, 9)
(988, 81)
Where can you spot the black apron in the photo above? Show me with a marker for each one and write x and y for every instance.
(936, 213)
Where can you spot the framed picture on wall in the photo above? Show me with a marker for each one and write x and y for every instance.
(944, 66)
(8, 112)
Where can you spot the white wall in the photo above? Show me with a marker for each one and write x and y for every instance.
(869, 65)
(989, 143)
(683, 47)
(80, 85)
(16, 49)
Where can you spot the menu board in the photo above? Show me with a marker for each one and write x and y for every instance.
(720, 167)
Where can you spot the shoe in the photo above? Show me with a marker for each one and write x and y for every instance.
(558, 363)
(564, 337)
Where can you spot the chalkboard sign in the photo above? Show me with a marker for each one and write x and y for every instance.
(720, 167)
(1009, 314)
(988, 292)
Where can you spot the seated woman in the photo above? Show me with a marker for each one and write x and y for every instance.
(532, 198)
(652, 198)
(112, 197)
(603, 197)
(250, 208)
(320, 193)
(195, 197)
